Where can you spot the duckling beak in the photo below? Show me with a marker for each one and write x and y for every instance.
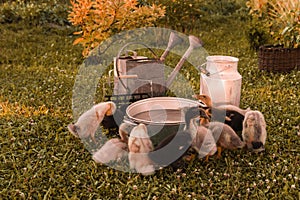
(257, 147)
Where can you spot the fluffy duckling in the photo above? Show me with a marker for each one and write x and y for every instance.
(112, 122)
(213, 113)
(116, 148)
(113, 150)
(225, 137)
(203, 141)
(206, 104)
(254, 131)
(229, 114)
(204, 100)
(87, 124)
(139, 145)
(124, 131)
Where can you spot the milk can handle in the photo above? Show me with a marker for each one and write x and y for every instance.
(207, 73)
(203, 70)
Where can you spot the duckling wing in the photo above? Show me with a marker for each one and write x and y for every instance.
(235, 142)
(225, 136)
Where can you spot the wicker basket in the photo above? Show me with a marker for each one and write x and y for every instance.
(278, 59)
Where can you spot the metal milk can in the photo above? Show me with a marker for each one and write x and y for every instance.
(222, 81)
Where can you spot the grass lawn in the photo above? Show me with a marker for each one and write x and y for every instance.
(40, 159)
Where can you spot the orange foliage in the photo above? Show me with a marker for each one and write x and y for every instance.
(100, 19)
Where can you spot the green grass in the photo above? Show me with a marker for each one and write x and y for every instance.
(40, 159)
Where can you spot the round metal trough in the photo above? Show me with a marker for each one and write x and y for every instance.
(159, 110)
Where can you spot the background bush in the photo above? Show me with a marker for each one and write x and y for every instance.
(190, 15)
(34, 12)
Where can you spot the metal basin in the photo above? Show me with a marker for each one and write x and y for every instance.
(159, 110)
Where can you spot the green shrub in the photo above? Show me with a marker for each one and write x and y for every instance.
(34, 12)
(257, 34)
(186, 15)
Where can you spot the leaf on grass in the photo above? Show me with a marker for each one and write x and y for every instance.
(78, 40)
(77, 33)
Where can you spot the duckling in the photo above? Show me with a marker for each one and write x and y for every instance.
(206, 104)
(87, 124)
(254, 131)
(225, 137)
(229, 114)
(203, 141)
(139, 145)
(124, 131)
(112, 122)
(113, 150)
(116, 148)
(213, 113)
(204, 100)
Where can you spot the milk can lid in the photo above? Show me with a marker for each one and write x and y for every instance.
(219, 58)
